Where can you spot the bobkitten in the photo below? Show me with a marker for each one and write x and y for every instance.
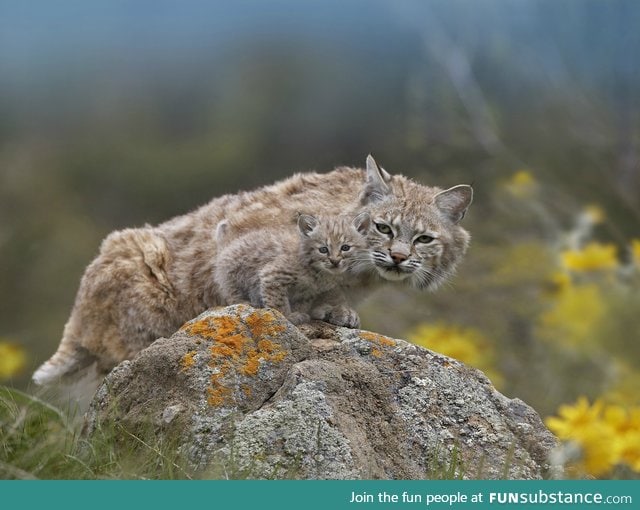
(297, 272)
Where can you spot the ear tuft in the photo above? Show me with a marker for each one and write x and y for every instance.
(307, 224)
(376, 188)
(454, 202)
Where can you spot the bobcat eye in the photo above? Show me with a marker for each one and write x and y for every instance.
(345, 247)
(424, 239)
(383, 229)
(323, 249)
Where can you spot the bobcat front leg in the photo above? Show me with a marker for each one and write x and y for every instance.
(334, 309)
(274, 293)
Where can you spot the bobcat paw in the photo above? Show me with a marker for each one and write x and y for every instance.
(341, 316)
(298, 318)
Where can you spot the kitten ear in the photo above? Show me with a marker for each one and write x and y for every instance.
(376, 188)
(453, 202)
(307, 224)
(221, 231)
(362, 222)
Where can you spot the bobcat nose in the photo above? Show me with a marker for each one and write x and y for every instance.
(398, 257)
(334, 262)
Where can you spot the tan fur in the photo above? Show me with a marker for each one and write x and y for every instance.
(146, 282)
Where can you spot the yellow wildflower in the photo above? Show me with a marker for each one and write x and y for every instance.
(464, 344)
(583, 424)
(595, 214)
(522, 184)
(600, 449)
(574, 418)
(626, 424)
(593, 257)
(607, 435)
(12, 360)
(635, 251)
(577, 311)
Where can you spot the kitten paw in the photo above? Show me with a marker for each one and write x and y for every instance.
(298, 318)
(340, 316)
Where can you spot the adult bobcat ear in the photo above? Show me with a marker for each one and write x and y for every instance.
(307, 224)
(376, 188)
(454, 202)
(362, 222)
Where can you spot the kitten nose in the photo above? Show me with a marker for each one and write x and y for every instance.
(334, 262)
(398, 257)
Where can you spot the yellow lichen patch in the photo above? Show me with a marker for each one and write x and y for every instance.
(218, 395)
(267, 351)
(246, 390)
(187, 360)
(228, 347)
(379, 339)
(237, 348)
(263, 323)
(225, 326)
(212, 327)
(376, 352)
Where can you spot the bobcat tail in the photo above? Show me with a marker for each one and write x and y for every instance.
(67, 360)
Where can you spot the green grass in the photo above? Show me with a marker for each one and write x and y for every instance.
(40, 441)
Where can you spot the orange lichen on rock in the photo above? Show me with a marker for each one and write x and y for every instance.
(187, 361)
(212, 327)
(267, 351)
(231, 346)
(264, 323)
(238, 348)
(376, 352)
(218, 395)
(379, 339)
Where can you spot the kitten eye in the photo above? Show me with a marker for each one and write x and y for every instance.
(424, 239)
(345, 247)
(323, 249)
(383, 229)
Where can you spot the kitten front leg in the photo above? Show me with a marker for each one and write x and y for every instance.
(274, 293)
(335, 310)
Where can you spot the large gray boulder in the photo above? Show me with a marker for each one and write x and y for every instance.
(242, 392)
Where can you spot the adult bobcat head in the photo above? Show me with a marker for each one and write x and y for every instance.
(414, 236)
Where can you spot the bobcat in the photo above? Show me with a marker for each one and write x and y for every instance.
(296, 273)
(146, 282)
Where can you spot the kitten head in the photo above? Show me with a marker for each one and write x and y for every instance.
(414, 236)
(336, 244)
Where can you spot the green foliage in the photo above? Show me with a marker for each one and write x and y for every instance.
(40, 441)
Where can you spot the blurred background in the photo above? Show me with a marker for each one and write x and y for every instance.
(120, 113)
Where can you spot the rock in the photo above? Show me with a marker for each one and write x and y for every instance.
(245, 394)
